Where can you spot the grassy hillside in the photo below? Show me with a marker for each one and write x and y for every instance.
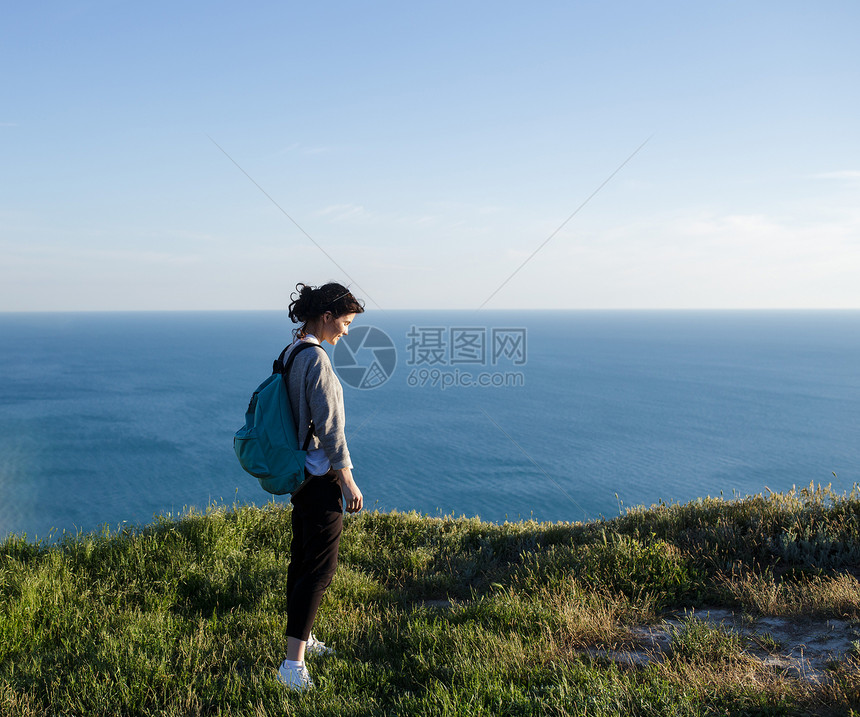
(430, 615)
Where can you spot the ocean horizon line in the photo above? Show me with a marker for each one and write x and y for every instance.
(690, 310)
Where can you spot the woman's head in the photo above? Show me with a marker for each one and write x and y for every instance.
(324, 311)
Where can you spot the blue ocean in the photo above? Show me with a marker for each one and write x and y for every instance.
(109, 419)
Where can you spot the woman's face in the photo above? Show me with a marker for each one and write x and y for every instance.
(335, 326)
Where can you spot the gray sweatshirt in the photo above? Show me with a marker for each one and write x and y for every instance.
(316, 394)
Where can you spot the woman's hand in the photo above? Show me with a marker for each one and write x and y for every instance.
(353, 500)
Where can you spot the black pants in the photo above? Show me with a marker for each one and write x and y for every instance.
(317, 524)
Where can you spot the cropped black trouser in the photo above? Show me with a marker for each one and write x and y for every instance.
(317, 521)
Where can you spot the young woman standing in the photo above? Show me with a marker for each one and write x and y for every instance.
(316, 399)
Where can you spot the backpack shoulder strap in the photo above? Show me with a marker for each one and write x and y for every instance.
(278, 367)
(278, 364)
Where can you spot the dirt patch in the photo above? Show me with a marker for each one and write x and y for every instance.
(801, 647)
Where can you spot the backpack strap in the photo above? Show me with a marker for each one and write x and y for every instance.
(279, 367)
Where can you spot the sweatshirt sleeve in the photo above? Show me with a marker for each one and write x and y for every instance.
(325, 400)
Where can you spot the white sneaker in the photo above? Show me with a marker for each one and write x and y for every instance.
(316, 647)
(296, 678)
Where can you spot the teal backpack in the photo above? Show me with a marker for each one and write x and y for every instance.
(267, 446)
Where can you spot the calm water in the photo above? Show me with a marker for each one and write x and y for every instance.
(113, 418)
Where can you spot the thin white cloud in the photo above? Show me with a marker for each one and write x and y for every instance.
(343, 212)
(700, 260)
(285, 150)
(56, 254)
(849, 174)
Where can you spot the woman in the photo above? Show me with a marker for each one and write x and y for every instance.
(316, 399)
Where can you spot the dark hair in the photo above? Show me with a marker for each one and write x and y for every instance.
(309, 303)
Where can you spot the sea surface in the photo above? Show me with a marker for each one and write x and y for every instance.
(109, 419)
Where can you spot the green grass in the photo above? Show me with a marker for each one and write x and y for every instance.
(187, 616)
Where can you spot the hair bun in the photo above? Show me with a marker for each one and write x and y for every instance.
(308, 303)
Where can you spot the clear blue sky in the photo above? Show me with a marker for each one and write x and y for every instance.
(430, 149)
